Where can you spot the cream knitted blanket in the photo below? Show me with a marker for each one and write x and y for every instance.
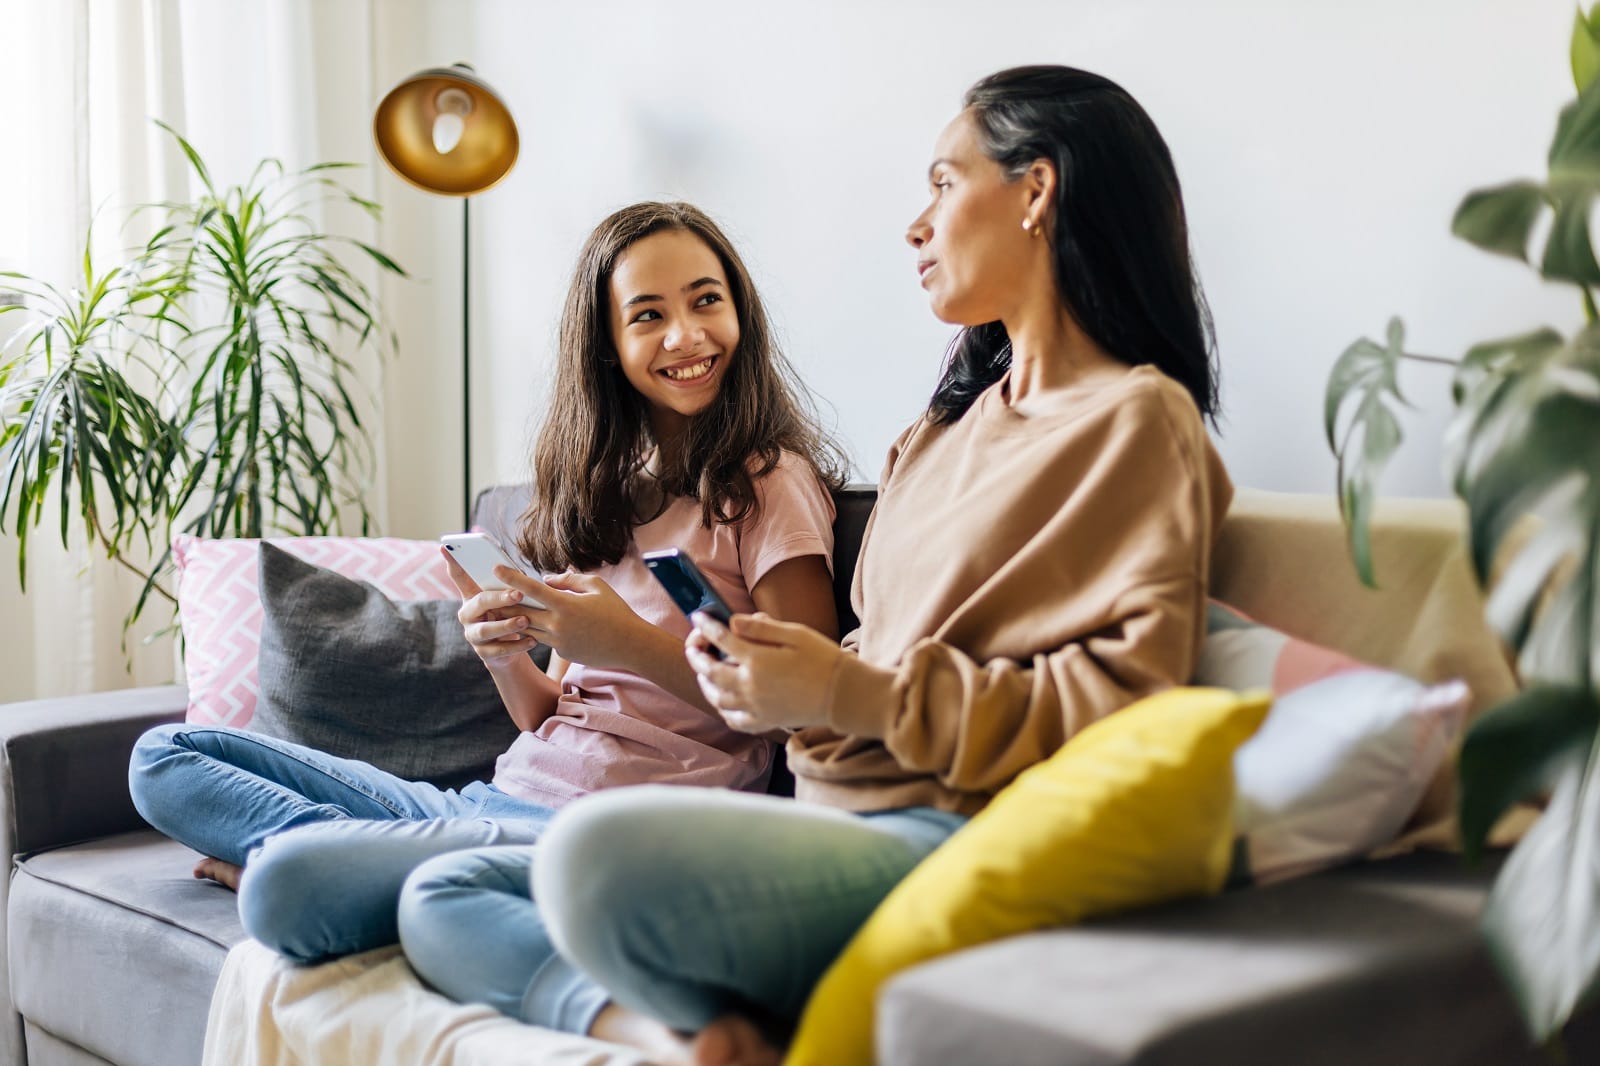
(369, 1010)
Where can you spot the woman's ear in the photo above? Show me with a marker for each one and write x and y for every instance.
(1039, 183)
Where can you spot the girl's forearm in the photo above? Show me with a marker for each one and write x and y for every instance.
(529, 694)
(657, 656)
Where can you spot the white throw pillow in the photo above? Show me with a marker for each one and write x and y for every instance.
(1338, 767)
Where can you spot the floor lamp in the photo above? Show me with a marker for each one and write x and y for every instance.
(446, 131)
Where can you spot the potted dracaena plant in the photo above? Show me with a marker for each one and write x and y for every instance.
(203, 385)
(1524, 440)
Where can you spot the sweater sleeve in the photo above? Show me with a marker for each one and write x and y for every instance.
(1145, 515)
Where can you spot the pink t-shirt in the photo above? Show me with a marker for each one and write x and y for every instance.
(612, 727)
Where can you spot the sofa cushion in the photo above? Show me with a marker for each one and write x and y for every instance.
(348, 671)
(1379, 964)
(1338, 768)
(219, 604)
(47, 1049)
(115, 948)
(1345, 756)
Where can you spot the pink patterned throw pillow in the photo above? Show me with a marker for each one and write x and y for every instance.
(219, 603)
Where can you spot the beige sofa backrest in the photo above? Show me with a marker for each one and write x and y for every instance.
(1282, 560)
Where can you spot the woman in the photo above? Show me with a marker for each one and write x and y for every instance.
(1038, 558)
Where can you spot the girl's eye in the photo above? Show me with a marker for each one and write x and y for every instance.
(647, 315)
(708, 299)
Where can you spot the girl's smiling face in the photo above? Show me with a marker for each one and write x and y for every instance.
(673, 324)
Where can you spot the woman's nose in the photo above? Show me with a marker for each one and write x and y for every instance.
(917, 233)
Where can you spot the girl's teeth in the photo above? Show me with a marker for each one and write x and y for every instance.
(689, 373)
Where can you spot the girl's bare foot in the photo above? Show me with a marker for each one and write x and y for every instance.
(733, 1040)
(225, 874)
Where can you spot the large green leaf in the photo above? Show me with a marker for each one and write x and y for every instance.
(1363, 392)
(1584, 49)
(1542, 919)
(1493, 387)
(1547, 468)
(1518, 750)
(1573, 184)
(1500, 219)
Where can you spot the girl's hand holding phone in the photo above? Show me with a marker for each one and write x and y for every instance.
(776, 675)
(584, 619)
(495, 622)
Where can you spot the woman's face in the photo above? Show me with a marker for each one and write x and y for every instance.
(971, 247)
(674, 325)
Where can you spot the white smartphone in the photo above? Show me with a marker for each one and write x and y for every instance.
(478, 554)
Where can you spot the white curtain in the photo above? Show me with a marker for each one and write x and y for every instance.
(82, 80)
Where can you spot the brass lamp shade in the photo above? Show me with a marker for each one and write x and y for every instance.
(403, 127)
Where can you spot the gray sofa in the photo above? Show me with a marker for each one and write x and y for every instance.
(112, 949)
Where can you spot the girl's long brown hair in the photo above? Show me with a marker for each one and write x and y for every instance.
(595, 437)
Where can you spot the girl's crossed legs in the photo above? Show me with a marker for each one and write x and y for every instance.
(683, 904)
(326, 842)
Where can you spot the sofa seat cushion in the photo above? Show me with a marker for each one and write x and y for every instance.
(1379, 964)
(115, 947)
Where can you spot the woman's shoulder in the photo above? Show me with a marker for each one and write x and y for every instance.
(1156, 416)
(1145, 401)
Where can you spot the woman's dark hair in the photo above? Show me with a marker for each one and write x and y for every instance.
(591, 447)
(1119, 238)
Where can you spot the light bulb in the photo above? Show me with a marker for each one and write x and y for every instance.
(447, 130)
(453, 105)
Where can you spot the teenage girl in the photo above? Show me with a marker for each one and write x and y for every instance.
(675, 422)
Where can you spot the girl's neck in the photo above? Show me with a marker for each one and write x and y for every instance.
(669, 430)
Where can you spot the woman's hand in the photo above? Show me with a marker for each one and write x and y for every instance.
(776, 674)
(495, 623)
(580, 616)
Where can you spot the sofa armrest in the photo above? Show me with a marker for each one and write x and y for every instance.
(63, 779)
(64, 765)
(1379, 963)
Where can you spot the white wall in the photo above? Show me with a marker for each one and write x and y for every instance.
(1323, 149)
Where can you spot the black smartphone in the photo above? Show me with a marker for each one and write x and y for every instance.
(686, 585)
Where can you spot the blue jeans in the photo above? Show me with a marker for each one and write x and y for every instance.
(326, 843)
(682, 903)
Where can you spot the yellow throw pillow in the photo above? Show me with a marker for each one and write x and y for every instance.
(1135, 810)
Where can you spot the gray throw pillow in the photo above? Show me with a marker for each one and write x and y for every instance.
(346, 670)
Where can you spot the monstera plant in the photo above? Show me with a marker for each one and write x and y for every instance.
(201, 385)
(1523, 452)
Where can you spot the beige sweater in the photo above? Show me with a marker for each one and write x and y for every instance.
(1021, 577)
